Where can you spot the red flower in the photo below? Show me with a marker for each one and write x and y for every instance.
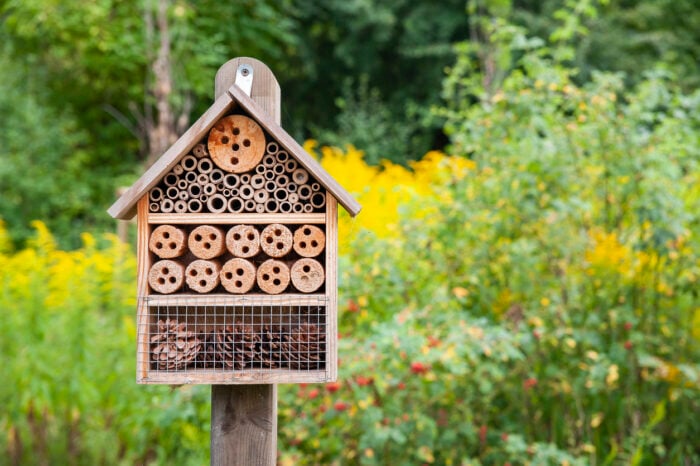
(363, 381)
(483, 430)
(628, 345)
(504, 437)
(333, 387)
(536, 334)
(313, 393)
(401, 385)
(529, 383)
(341, 406)
(628, 326)
(353, 306)
(433, 342)
(419, 367)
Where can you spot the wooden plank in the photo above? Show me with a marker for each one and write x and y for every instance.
(236, 219)
(143, 266)
(123, 208)
(266, 91)
(298, 152)
(244, 426)
(243, 377)
(332, 288)
(248, 300)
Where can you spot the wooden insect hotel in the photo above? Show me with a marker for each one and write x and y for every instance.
(237, 251)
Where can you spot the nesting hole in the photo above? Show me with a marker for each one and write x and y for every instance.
(276, 269)
(246, 142)
(240, 272)
(224, 140)
(235, 147)
(236, 131)
(306, 268)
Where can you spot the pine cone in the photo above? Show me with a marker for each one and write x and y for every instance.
(207, 357)
(304, 347)
(236, 346)
(269, 348)
(174, 347)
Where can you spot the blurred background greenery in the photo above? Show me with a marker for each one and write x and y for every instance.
(521, 287)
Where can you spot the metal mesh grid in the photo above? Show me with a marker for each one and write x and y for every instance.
(224, 334)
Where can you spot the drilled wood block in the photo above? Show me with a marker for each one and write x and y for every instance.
(202, 276)
(273, 276)
(309, 241)
(166, 276)
(200, 151)
(167, 242)
(243, 241)
(307, 275)
(206, 242)
(236, 143)
(238, 275)
(276, 240)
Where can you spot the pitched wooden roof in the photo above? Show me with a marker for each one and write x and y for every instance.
(125, 207)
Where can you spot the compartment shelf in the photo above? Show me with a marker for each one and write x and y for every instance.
(193, 300)
(249, 376)
(236, 219)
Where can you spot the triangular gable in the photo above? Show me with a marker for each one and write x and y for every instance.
(124, 207)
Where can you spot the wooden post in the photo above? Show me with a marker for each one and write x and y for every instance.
(244, 417)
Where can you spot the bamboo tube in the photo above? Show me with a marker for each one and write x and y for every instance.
(202, 276)
(271, 206)
(318, 200)
(183, 195)
(281, 194)
(216, 176)
(194, 206)
(278, 169)
(257, 181)
(231, 181)
(249, 205)
(189, 163)
(216, 203)
(307, 275)
(166, 206)
(308, 208)
(236, 143)
(170, 179)
(156, 194)
(268, 161)
(166, 276)
(178, 170)
(282, 181)
(237, 276)
(180, 206)
(290, 165)
(273, 276)
(270, 175)
(182, 184)
(260, 169)
(276, 240)
(245, 178)
(293, 198)
(243, 241)
(234, 192)
(260, 208)
(167, 242)
(226, 193)
(297, 208)
(220, 187)
(172, 192)
(282, 156)
(191, 177)
(292, 187)
(285, 207)
(202, 179)
(272, 148)
(300, 176)
(154, 207)
(246, 192)
(309, 241)
(203, 199)
(194, 190)
(200, 151)
(260, 196)
(315, 187)
(206, 242)
(205, 166)
(270, 186)
(235, 205)
(304, 192)
(209, 189)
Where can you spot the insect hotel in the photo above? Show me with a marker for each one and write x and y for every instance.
(237, 252)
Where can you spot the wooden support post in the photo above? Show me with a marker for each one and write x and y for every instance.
(244, 417)
(243, 425)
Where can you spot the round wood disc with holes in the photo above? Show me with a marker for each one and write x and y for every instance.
(238, 276)
(243, 241)
(273, 276)
(206, 242)
(236, 143)
(167, 242)
(276, 240)
(307, 275)
(166, 276)
(309, 241)
(202, 276)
